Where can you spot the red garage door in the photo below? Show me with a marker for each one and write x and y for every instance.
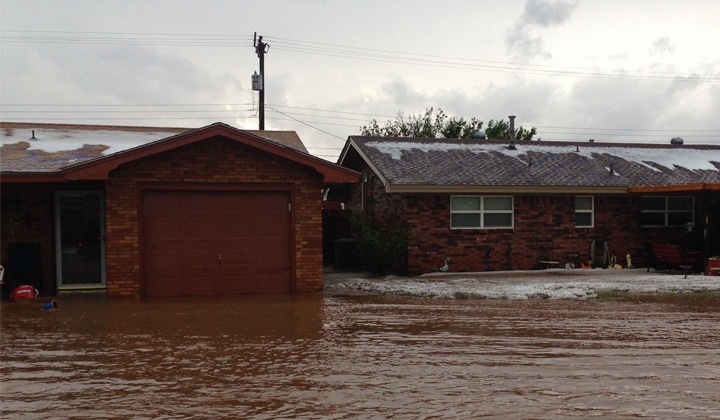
(212, 242)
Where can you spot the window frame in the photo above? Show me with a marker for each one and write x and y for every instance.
(584, 211)
(61, 280)
(481, 212)
(667, 211)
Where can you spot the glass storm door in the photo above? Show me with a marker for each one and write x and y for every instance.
(80, 244)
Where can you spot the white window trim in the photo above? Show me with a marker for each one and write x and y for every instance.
(591, 211)
(667, 210)
(482, 212)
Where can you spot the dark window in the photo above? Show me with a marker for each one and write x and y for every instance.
(667, 211)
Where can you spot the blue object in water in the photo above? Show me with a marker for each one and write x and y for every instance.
(50, 306)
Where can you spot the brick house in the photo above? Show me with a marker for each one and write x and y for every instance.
(137, 211)
(488, 205)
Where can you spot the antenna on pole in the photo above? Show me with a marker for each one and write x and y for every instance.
(258, 83)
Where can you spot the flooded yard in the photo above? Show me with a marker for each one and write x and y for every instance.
(315, 356)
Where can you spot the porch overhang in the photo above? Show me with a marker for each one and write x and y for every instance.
(675, 188)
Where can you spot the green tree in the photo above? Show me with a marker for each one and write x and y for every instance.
(435, 125)
(500, 130)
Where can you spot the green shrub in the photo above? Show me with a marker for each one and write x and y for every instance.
(381, 253)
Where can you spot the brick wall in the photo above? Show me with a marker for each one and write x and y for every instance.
(28, 216)
(217, 162)
(385, 212)
(544, 229)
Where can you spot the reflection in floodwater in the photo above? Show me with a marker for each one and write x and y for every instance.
(313, 356)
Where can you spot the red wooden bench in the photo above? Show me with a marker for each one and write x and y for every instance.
(664, 256)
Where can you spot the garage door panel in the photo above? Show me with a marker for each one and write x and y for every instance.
(200, 246)
(244, 226)
(167, 271)
(269, 282)
(197, 227)
(252, 268)
(207, 242)
(189, 285)
(254, 257)
(266, 240)
(167, 225)
(258, 248)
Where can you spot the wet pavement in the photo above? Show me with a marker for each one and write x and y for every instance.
(521, 285)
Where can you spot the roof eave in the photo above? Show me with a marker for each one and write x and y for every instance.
(503, 189)
(99, 169)
(31, 177)
(351, 144)
(339, 175)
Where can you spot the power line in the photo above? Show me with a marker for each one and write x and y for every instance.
(313, 45)
(344, 51)
(119, 33)
(510, 68)
(122, 38)
(312, 122)
(595, 130)
(627, 134)
(466, 63)
(325, 116)
(306, 124)
(77, 105)
(623, 129)
(334, 111)
(117, 105)
(45, 119)
(64, 111)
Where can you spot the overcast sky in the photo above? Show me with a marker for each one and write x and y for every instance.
(612, 70)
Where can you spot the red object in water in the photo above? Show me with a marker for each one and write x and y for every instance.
(24, 292)
(714, 266)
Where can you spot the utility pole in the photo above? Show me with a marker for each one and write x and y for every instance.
(261, 48)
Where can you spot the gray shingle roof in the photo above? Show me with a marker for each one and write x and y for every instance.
(452, 163)
(57, 146)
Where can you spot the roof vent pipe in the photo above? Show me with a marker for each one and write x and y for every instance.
(512, 132)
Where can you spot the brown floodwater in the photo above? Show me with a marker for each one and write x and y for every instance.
(314, 356)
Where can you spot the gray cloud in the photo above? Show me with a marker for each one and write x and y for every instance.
(529, 100)
(537, 13)
(662, 45)
(589, 104)
(403, 94)
(614, 104)
(523, 46)
(139, 73)
(546, 13)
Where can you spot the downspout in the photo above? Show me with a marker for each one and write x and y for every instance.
(365, 209)
(362, 193)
